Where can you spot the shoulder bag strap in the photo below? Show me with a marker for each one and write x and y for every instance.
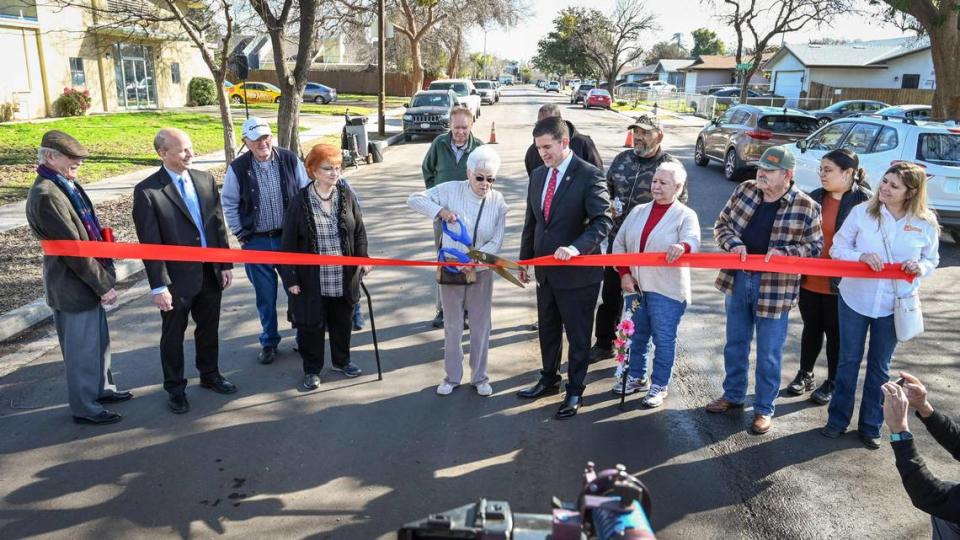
(886, 248)
(476, 225)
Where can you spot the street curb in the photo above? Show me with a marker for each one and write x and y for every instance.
(25, 317)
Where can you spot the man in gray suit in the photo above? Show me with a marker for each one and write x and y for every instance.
(77, 288)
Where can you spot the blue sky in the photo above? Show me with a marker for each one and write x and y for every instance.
(673, 16)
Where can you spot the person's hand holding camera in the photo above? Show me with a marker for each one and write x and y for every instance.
(895, 407)
(916, 394)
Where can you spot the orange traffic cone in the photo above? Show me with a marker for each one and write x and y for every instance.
(629, 142)
(493, 133)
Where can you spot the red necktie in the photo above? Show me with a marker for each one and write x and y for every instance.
(548, 198)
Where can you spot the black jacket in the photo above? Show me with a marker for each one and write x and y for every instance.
(582, 146)
(579, 216)
(161, 217)
(247, 183)
(305, 310)
(855, 196)
(940, 499)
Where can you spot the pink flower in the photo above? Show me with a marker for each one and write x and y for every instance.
(619, 343)
(621, 357)
(627, 325)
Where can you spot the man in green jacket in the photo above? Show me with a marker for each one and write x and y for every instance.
(446, 160)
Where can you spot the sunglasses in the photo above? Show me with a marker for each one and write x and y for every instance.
(489, 179)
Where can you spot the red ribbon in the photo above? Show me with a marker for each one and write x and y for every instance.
(777, 263)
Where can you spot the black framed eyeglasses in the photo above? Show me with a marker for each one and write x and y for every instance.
(488, 179)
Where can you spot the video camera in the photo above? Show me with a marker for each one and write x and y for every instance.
(612, 505)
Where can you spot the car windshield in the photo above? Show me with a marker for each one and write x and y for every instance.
(599, 93)
(585, 87)
(483, 84)
(940, 148)
(271, 87)
(431, 100)
(788, 124)
(839, 105)
(458, 88)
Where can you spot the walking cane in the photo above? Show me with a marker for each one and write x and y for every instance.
(623, 382)
(373, 330)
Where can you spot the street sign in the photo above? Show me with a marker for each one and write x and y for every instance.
(744, 67)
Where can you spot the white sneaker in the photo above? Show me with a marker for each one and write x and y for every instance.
(634, 385)
(655, 396)
(445, 388)
(484, 389)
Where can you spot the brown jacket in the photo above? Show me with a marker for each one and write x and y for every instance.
(72, 283)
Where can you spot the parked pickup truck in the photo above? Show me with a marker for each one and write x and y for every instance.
(466, 93)
(428, 113)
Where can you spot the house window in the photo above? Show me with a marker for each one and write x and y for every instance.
(77, 76)
(910, 81)
(175, 72)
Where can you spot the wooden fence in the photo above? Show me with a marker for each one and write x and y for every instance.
(893, 96)
(344, 80)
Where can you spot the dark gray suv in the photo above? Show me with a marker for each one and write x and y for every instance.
(428, 113)
(738, 137)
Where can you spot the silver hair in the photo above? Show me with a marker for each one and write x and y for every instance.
(677, 170)
(47, 153)
(159, 141)
(483, 159)
(550, 109)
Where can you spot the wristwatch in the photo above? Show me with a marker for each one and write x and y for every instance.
(902, 436)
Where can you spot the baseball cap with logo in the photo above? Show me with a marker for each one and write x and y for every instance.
(254, 128)
(777, 157)
(646, 122)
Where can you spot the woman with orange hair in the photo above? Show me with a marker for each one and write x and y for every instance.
(324, 219)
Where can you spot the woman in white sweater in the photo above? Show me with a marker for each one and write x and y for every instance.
(468, 200)
(664, 225)
(894, 226)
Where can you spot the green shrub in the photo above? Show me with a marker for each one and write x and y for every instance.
(622, 102)
(72, 103)
(201, 91)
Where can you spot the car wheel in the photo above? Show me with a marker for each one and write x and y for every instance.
(407, 138)
(822, 122)
(236, 99)
(700, 155)
(731, 165)
(277, 100)
(319, 100)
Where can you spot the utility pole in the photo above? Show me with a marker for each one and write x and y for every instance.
(382, 70)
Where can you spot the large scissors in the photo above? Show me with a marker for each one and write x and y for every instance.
(497, 264)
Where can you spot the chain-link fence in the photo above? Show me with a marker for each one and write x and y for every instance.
(709, 106)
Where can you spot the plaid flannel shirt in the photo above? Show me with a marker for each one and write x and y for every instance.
(796, 232)
(328, 242)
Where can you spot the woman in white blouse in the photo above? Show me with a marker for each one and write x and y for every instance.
(664, 225)
(464, 200)
(894, 226)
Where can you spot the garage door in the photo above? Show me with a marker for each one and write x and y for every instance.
(788, 84)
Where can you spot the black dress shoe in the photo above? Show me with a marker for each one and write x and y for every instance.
(219, 385)
(105, 417)
(178, 403)
(116, 397)
(598, 353)
(267, 355)
(872, 443)
(569, 407)
(539, 390)
(437, 321)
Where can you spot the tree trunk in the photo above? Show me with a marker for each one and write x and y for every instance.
(416, 82)
(454, 65)
(226, 118)
(288, 119)
(945, 49)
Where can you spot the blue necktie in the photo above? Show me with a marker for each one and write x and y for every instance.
(193, 205)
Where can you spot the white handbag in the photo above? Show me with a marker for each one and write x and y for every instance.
(907, 315)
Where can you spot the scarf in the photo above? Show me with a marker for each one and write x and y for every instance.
(81, 205)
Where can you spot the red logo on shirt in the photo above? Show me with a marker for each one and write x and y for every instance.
(911, 228)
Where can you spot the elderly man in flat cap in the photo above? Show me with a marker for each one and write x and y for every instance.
(77, 288)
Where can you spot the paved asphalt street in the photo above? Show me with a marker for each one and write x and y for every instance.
(358, 458)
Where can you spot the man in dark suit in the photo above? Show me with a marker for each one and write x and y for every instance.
(568, 214)
(180, 206)
(77, 288)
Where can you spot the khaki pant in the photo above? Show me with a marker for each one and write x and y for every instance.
(474, 298)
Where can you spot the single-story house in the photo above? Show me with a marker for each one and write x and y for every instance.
(640, 74)
(887, 63)
(671, 71)
(709, 71)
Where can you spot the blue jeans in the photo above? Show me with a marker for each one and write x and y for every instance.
(264, 279)
(853, 340)
(741, 308)
(656, 319)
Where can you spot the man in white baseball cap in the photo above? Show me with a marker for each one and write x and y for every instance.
(256, 191)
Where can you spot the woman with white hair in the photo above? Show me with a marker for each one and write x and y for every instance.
(483, 213)
(664, 225)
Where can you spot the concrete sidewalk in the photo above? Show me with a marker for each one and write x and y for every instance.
(13, 215)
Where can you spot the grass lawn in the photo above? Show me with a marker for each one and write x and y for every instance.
(332, 109)
(645, 105)
(118, 143)
(389, 101)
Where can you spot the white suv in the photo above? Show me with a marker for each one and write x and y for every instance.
(880, 141)
(657, 86)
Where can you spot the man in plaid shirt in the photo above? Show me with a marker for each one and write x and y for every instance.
(767, 216)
